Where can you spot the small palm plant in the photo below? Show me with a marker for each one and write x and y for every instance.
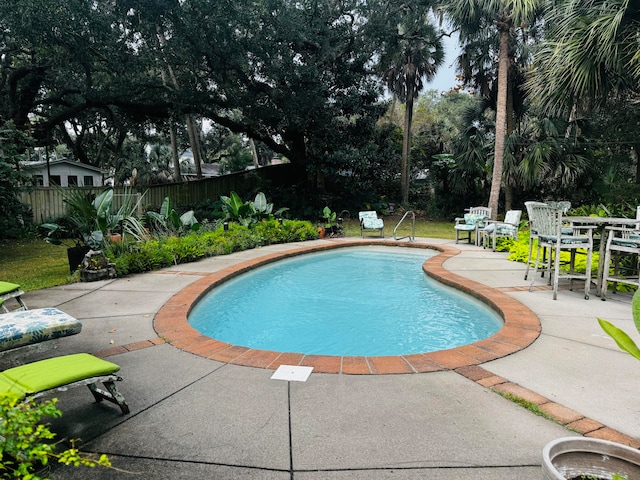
(621, 338)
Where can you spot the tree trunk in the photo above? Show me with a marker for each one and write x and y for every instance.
(195, 145)
(501, 123)
(633, 153)
(174, 151)
(406, 147)
(254, 153)
(508, 197)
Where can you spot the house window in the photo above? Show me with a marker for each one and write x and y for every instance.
(88, 181)
(72, 180)
(55, 180)
(38, 180)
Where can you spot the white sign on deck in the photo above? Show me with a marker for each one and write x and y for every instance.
(292, 373)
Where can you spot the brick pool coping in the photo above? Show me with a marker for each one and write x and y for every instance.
(521, 325)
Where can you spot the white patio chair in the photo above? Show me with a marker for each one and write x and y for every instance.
(369, 221)
(508, 228)
(472, 222)
(533, 238)
(621, 242)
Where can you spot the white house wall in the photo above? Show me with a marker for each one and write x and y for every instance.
(66, 170)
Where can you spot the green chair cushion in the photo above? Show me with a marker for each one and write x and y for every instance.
(55, 372)
(9, 387)
(7, 287)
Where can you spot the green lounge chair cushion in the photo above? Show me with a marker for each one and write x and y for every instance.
(9, 387)
(55, 372)
(7, 287)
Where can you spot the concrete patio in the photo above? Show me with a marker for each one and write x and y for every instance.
(194, 417)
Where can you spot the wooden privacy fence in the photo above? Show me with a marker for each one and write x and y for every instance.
(47, 203)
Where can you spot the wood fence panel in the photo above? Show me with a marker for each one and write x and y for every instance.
(47, 203)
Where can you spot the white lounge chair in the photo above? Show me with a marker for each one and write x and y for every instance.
(369, 221)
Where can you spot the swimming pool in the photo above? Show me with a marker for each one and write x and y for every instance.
(367, 301)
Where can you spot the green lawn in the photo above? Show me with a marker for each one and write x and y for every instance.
(424, 228)
(35, 264)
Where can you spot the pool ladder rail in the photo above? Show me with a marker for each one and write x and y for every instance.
(411, 237)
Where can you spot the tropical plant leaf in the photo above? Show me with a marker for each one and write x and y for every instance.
(103, 202)
(188, 219)
(621, 338)
(165, 208)
(635, 309)
(260, 202)
(236, 203)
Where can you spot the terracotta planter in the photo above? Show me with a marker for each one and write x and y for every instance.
(322, 232)
(573, 457)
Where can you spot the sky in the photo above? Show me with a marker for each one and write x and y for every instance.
(446, 76)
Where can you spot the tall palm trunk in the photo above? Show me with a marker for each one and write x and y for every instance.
(406, 144)
(501, 122)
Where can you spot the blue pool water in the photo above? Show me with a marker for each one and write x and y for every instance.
(365, 301)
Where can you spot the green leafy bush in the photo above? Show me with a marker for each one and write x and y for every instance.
(165, 251)
(26, 444)
(249, 212)
(519, 252)
(167, 221)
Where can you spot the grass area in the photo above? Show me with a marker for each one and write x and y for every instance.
(424, 228)
(35, 264)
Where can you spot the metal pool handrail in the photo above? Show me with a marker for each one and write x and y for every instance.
(413, 227)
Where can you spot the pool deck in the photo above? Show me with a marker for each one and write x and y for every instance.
(204, 409)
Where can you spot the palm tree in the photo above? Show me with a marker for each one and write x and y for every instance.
(416, 54)
(473, 18)
(590, 55)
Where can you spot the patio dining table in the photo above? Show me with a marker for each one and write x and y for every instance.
(601, 223)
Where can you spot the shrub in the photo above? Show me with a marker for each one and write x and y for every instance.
(26, 443)
(519, 252)
(166, 251)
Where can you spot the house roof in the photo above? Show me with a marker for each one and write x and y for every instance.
(37, 165)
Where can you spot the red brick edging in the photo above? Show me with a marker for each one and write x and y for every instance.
(521, 327)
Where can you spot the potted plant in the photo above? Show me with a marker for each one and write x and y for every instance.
(330, 221)
(86, 215)
(590, 458)
(90, 220)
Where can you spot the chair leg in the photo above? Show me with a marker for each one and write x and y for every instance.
(605, 275)
(535, 268)
(556, 270)
(526, 272)
(587, 280)
(112, 395)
